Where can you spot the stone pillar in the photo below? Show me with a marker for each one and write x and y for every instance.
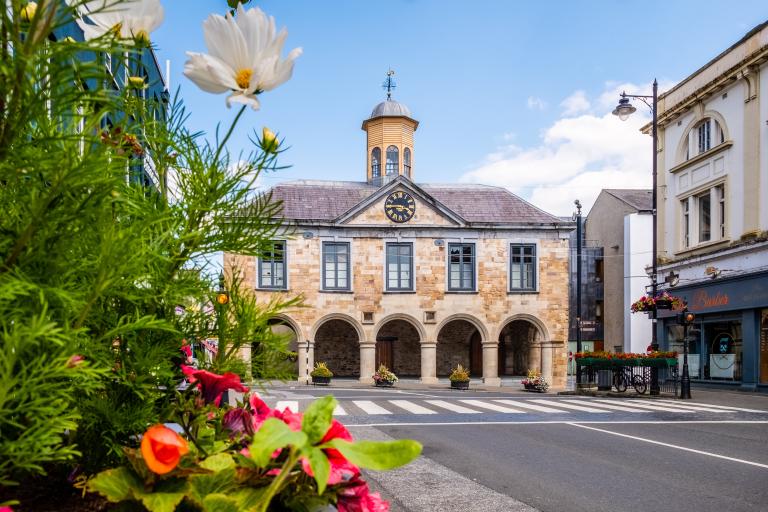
(491, 363)
(367, 361)
(546, 361)
(306, 353)
(245, 355)
(429, 362)
(534, 356)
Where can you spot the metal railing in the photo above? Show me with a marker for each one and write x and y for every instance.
(632, 379)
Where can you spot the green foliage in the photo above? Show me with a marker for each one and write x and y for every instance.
(378, 455)
(217, 476)
(321, 370)
(96, 263)
(459, 374)
(383, 374)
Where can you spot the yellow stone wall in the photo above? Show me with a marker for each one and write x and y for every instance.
(492, 306)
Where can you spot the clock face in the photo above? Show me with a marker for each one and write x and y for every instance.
(399, 206)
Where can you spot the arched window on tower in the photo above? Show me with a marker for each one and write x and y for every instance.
(375, 163)
(393, 160)
(407, 162)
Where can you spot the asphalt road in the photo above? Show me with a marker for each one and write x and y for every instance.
(494, 451)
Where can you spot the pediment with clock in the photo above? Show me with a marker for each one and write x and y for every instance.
(403, 204)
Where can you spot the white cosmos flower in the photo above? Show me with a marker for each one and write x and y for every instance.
(244, 56)
(130, 19)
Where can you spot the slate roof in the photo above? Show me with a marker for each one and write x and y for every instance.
(639, 199)
(314, 200)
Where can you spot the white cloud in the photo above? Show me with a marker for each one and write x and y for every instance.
(535, 103)
(576, 103)
(576, 158)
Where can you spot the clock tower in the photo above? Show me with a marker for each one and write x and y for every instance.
(389, 132)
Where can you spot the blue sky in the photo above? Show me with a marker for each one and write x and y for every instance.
(515, 94)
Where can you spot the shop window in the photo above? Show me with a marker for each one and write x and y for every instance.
(599, 270)
(722, 348)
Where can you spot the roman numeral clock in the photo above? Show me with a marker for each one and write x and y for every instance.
(399, 206)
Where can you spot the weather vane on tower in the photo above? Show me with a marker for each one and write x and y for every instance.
(389, 84)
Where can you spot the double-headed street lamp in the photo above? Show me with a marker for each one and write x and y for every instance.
(623, 110)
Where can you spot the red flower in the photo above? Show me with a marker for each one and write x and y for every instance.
(238, 421)
(213, 385)
(162, 448)
(341, 469)
(358, 498)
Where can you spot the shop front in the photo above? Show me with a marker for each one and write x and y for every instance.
(728, 342)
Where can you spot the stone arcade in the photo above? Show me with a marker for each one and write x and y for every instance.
(420, 277)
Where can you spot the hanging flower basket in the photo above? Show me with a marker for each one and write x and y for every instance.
(664, 300)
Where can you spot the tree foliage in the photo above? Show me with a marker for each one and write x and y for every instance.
(98, 263)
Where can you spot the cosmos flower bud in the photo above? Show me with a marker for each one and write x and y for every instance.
(141, 38)
(269, 142)
(28, 12)
(137, 82)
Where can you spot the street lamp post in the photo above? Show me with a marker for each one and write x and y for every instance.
(685, 318)
(623, 110)
(577, 215)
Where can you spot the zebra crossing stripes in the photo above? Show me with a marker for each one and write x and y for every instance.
(412, 407)
(574, 407)
(724, 407)
(292, 405)
(452, 407)
(652, 407)
(370, 408)
(516, 406)
(492, 407)
(612, 407)
(527, 405)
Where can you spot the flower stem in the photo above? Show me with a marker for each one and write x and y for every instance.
(278, 482)
(228, 134)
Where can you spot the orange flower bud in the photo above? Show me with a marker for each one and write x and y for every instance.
(162, 448)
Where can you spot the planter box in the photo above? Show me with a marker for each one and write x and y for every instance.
(459, 384)
(384, 384)
(321, 381)
(534, 388)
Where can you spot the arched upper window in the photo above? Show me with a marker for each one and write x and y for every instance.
(375, 163)
(407, 162)
(703, 137)
(393, 160)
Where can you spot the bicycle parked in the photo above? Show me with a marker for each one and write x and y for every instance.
(623, 376)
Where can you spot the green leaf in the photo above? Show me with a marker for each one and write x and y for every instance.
(218, 462)
(379, 455)
(162, 501)
(317, 418)
(321, 468)
(220, 503)
(202, 486)
(248, 498)
(116, 485)
(273, 435)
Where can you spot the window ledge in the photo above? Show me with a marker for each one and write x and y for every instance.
(706, 245)
(702, 156)
(462, 292)
(335, 291)
(271, 289)
(398, 291)
(522, 292)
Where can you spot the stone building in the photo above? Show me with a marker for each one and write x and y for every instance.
(420, 277)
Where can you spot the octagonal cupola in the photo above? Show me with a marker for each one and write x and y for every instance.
(389, 131)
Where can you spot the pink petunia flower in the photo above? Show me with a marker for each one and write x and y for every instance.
(356, 497)
(213, 385)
